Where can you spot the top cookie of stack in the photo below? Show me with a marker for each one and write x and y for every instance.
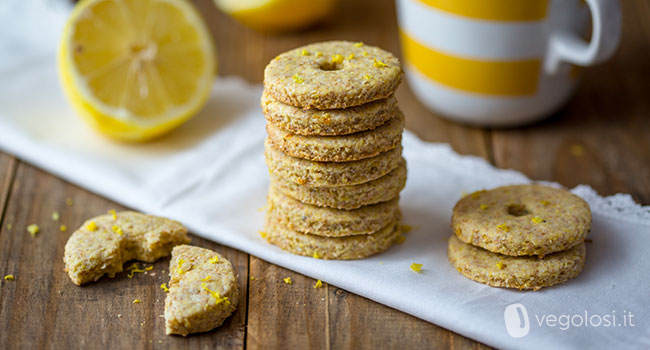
(333, 150)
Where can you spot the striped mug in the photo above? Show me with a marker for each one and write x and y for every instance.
(502, 62)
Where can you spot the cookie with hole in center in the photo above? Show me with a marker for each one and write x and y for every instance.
(521, 272)
(298, 216)
(326, 174)
(330, 122)
(380, 190)
(332, 75)
(522, 220)
(331, 248)
(344, 148)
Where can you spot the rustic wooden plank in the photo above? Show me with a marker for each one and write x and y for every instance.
(43, 309)
(7, 170)
(601, 137)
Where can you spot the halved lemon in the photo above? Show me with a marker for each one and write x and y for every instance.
(136, 69)
(276, 15)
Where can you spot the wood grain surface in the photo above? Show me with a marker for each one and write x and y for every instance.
(600, 138)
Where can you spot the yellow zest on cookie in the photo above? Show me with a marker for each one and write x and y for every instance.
(214, 260)
(337, 59)
(367, 77)
(92, 226)
(69, 202)
(483, 206)
(33, 229)
(118, 230)
(206, 278)
(217, 298)
(350, 57)
(148, 268)
(477, 194)
(416, 267)
(359, 44)
(316, 255)
(63, 228)
(544, 202)
(113, 214)
(319, 54)
(262, 234)
(304, 53)
(137, 301)
(326, 118)
(379, 64)
(164, 287)
(297, 79)
(179, 266)
(318, 284)
(56, 216)
(504, 227)
(288, 280)
(400, 239)
(500, 265)
(537, 220)
(9, 278)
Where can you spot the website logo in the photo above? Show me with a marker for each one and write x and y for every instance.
(517, 322)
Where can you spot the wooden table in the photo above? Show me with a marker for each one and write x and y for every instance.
(601, 138)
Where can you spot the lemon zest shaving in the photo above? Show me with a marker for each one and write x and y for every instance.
(537, 220)
(206, 278)
(544, 203)
(500, 265)
(416, 267)
(133, 272)
(483, 206)
(133, 266)
(379, 64)
(217, 298)
(359, 44)
(337, 59)
(9, 278)
(316, 255)
(319, 54)
(318, 284)
(252, 278)
(91, 226)
(118, 230)
(288, 280)
(56, 216)
(262, 234)
(297, 79)
(33, 229)
(477, 194)
(351, 56)
(304, 53)
(113, 214)
(179, 266)
(164, 287)
(367, 77)
(63, 228)
(148, 268)
(365, 53)
(504, 227)
(214, 259)
(137, 301)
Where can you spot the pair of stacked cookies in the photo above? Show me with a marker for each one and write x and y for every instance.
(333, 150)
(524, 236)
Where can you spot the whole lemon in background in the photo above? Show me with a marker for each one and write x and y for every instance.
(136, 69)
(276, 15)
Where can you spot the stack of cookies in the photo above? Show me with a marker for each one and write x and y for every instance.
(333, 150)
(524, 236)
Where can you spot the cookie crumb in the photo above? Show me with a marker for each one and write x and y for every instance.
(252, 278)
(262, 234)
(288, 280)
(63, 228)
(33, 229)
(69, 202)
(400, 239)
(55, 216)
(318, 284)
(416, 267)
(407, 228)
(9, 227)
(113, 214)
(484, 206)
(577, 150)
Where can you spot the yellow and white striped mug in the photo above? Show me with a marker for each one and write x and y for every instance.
(502, 62)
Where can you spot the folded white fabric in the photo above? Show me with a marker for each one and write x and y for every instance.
(210, 174)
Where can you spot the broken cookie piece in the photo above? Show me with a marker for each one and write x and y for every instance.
(202, 293)
(104, 243)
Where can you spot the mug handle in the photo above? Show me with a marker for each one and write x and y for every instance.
(606, 34)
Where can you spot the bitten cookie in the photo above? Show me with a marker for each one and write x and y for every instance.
(298, 216)
(527, 272)
(343, 148)
(383, 189)
(331, 122)
(336, 248)
(104, 243)
(319, 174)
(522, 220)
(203, 291)
(332, 75)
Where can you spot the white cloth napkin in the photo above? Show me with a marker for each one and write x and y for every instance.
(210, 175)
